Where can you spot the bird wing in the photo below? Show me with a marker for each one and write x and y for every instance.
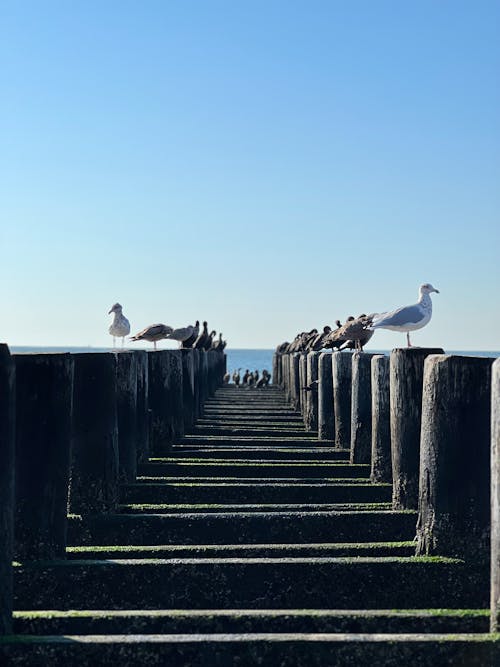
(399, 317)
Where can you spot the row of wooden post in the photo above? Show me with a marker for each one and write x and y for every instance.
(428, 423)
(73, 427)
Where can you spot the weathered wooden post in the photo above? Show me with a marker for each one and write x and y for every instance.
(203, 380)
(495, 498)
(406, 380)
(213, 377)
(143, 417)
(381, 470)
(44, 385)
(159, 427)
(196, 376)
(276, 379)
(341, 375)
(188, 391)
(312, 395)
(295, 380)
(126, 410)
(7, 471)
(454, 500)
(303, 384)
(94, 459)
(285, 374)
(326, 416)
(361, 408)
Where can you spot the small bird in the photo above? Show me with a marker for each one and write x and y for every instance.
(236, 377)
(226, 378)
(246, 375)
(189, 342)
(153, 333)
(355, 333)
(199, 343)
(182, 334)
(120, 327)
(208, 342)
(408, 318)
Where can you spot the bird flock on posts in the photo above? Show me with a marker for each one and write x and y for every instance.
(249, 380)
(355, 333)
(188, 337)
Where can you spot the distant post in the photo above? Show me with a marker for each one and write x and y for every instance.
(94, 464)
(381, 470)
(495, 499)
(188, 392)
(303, 384)
(295, 380)
(361, 408)
(454, 501)
(326, 416)
(44, 385)
(126, 406)
(342, 374)
(406, 380)
(312, 395)
(7, 434)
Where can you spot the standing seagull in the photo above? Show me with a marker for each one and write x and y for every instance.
(153, 333)
(120, 327)
(182, 335)
(408, 318)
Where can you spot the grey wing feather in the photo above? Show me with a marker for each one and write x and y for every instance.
(401, 316)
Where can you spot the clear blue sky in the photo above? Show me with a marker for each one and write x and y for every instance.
(267, 165)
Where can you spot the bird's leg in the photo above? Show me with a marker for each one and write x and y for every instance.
(154, 343)
(123, 342)
(114, 342)
(408, 338)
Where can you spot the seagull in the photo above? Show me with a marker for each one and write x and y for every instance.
(355, 333)
(182, 335)
(408, 318)
(189, 342)
(153, 333)
(120, 327)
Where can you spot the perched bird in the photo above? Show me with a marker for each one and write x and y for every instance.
(246, 375)
(120, 327)
(236, 377)
(261, 382)
(189, 342)
(266, 375)
(408, 318)
(219, 344)
(318, 341)
(182, 334)
(226, 378)
(208, 342)
(199, 343)
(334, 338)
(355, 333)
(153, 333)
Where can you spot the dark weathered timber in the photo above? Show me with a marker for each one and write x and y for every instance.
(495, 497)
(295, 380)
(312, 396)
(196, 383)
(303, 384)
(126, 410)
(44, 384)
(276, 379)
(341, 376)
(454, 501)
(361, 408)
(285, 375)
(188, 390)
(326, 415)
(94, 441)
(7, 435)
(142, 423)
(406, 380)
(381, 421)
(203, 379)
(165, 398)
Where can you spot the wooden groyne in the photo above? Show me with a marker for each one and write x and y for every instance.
(263, 526)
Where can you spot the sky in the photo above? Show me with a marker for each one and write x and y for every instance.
(266, 165)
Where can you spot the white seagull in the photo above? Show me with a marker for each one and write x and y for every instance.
(120, 327)
(153, 333)
(408, 318)
(183, 334)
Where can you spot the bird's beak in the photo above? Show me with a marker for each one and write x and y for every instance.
(437, 291)
(109, 313)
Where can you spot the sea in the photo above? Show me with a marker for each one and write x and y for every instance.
(236, 358)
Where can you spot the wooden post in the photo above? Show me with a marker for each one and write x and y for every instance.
(7, 436)
(454, 501)
(295, 380)
(94, 462)
(326, 416)
(312, 396)
(276, 379)
(495, 498)
(303, 384)
(341, 375)
(142, 425)
(188, 391)
(361, 408)
(203, 380)
(196, 374)
(44, 384)
(126, 409)
(406, 380)
(381, 470)
(175, 386)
